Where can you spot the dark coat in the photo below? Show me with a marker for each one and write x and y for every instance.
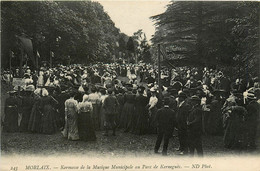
(173, 103)
(253, 112)
(141, 113)
(26, 106)
(11, 115)
(182, 114)
(110, 105)
(165, 119)
(195, 121)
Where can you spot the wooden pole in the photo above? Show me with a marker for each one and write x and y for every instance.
(10, 60)
(37, 63)
(50, 59)
(159, 70)
(21, 63)
(20, 69)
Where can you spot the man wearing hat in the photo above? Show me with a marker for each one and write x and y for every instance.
(172, 96)
(194, 123)
(121, 100)
(110, 107)
(182, 114)
(252, 120)
(165, 120)
(11, 113)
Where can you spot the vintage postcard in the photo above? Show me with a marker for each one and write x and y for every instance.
(130, 85)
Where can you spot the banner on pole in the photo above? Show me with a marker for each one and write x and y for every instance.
(18, 82)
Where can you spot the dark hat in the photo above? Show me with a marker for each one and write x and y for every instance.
(121, 90)
(110, 91)
(171, 89)
(11, 92)
(129, 88)
(182, 94)
(26, 75)
(195, 98)
(257, 92)
(141, 88)
(93, 89)
(217, 92)
(128, 85)
(193, 90)
(109, 85)
(186, 90)
(237, 93)
(200, 93)
(166, 100)
(173, 92)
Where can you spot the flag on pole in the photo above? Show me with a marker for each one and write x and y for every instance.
(38, 54)
(12, 54)
(52, 54)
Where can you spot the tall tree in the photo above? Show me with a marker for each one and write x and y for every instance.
(209, 33)
(81, 30)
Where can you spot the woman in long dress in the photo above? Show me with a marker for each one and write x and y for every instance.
(40, 81)
(48, 119)
(85, 125)
(128, 111)
(26, 107)
(11, 113)
(71, 118)
(35, 117)
(233, 119)
(102, 110)
(142, 113)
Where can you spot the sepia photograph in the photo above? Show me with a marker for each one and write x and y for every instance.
(130, 85)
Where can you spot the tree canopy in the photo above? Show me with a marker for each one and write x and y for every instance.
(210, 33)
(81, 30)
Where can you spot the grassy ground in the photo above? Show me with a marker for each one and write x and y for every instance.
(121, 145)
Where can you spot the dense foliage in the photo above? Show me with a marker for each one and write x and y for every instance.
(78, 31)
(218, 34)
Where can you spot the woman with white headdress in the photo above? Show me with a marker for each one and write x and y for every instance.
(35, 117)
(40, 81)
(48, 121)
(26, 107)
(85, 125)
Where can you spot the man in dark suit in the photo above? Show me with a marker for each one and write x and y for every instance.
(110, 105)
(165, 122)
(182, 114)
(252, 120)
(194, 122)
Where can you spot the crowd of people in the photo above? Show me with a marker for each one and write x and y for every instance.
(79, 100)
